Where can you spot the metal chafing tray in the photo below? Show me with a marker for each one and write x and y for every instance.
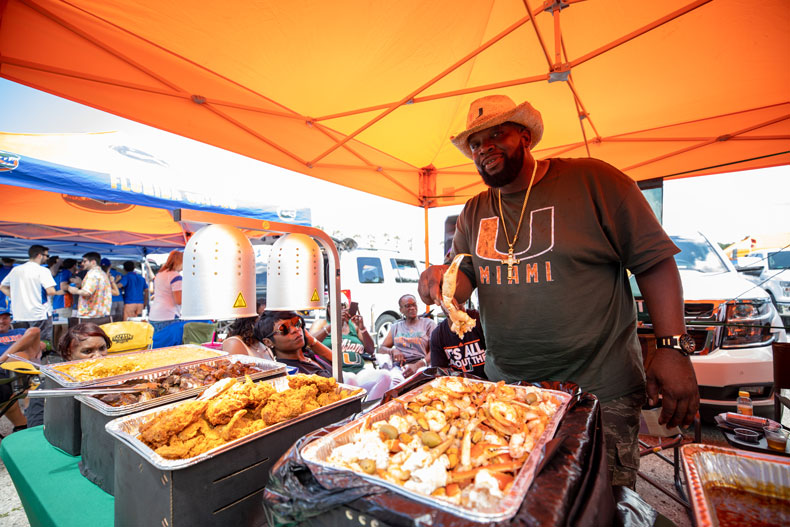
(318, 451)
(218, 488)
(711, 465)
(97, 463)
(268, 369)
(63, 379)
(127, 429)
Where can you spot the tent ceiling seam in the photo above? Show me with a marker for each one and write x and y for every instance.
(253, 133)
(77, 31)
(637, 33)
(706, 143)
(325, 130)
(178, 56)
(83, 76)
(537, 32)
(426, 85)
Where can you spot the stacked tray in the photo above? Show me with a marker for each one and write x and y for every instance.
(62, 415)
(127, 429)
(97, 446)
(53, 371)
(318, 452)
(268, 369)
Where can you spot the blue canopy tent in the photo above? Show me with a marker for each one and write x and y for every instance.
(100, 191)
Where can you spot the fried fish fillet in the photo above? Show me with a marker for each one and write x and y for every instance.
(238, 410)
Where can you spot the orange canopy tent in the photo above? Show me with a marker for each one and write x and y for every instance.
(367, 94)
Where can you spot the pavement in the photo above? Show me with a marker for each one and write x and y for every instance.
(13, 515)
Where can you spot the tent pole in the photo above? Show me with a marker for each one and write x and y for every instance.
(427, 241)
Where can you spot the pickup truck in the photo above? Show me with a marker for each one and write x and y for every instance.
(733, 323)
(770, 269)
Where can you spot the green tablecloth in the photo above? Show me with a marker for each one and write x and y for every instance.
(50, 485)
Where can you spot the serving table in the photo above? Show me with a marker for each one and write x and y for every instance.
(49, 483)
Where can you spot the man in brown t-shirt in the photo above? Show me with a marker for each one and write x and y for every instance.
(551, 244)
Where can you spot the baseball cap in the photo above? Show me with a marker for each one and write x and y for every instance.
(105, 261)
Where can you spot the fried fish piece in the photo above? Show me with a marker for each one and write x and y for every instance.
(159, 430)
(324, 384)
(290, 403)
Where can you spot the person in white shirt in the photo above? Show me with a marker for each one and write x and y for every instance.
(23, 285)
(165, 306)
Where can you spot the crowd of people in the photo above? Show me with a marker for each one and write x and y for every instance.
(47, 288)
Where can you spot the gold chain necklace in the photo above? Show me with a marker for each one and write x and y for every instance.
(511, 260)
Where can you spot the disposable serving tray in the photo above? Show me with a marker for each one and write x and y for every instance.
(711, 465)
(318, 452)
(220, 487)
(62, 422)
(97, 446)
(54, 372)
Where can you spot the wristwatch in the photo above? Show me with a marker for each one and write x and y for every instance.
(684, 343)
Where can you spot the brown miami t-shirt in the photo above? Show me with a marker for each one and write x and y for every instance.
(568, 314)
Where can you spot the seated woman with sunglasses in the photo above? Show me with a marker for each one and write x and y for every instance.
(283, 332)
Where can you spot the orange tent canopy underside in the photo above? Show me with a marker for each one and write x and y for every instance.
(365, 94)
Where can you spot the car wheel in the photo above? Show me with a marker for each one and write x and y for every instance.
(383, 325)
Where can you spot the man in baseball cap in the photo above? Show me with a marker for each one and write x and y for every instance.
(550, 242)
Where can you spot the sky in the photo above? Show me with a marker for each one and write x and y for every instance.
(727, 207)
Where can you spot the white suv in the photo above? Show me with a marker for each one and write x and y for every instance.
(770, 269)
(733, 323)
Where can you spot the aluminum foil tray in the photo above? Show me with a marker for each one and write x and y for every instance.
(268, 369)
(318, 451)
(64, 380)
(126, 429)
(710, 465)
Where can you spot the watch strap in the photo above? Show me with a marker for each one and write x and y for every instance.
(683, 344)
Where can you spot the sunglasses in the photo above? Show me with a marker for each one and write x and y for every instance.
(285, 328)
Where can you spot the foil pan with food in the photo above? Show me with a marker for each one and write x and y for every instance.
(227, 415)
(465, 446)
(730, 487)
(181, 382)
(123, 366)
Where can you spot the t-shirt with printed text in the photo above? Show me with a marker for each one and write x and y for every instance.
(568, 313)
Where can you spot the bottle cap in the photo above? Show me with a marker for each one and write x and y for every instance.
(743, 394)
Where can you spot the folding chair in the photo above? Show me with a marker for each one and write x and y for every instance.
(129, 335)
(199, 332)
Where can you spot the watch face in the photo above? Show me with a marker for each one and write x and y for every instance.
(686, 342)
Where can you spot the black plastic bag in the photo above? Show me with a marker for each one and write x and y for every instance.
(573, 488)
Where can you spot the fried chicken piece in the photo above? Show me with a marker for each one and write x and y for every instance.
(240, 426)
(288, 404)
(328, 398)
(158, 431)
(239, 396)
(324, 384)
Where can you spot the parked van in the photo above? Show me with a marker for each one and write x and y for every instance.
(376, 279)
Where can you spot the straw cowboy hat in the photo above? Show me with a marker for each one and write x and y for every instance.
(493, 110)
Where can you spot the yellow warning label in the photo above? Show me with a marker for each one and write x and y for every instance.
(240, 302)
(315, 297)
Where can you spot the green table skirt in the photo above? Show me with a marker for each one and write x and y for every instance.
(50, 485)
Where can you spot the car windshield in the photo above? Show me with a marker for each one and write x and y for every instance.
(779, 260)
(696, 254)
